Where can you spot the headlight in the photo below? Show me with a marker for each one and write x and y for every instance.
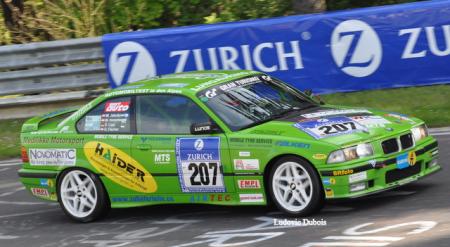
(419, 132)
(350, 153)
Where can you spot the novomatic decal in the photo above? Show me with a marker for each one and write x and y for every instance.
(52, 157)
(119, 167)
(198, 162)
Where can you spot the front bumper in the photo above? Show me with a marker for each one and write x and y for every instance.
(381, 174)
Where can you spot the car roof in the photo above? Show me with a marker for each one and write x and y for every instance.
(188, 81)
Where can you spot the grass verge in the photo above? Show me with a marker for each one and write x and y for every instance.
(431, 103)
(10, 138)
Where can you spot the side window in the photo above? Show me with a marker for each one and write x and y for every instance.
(111, 116)
(167, 114)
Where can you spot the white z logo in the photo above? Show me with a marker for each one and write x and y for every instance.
(356, 48)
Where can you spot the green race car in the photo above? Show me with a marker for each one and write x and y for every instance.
(218, 137)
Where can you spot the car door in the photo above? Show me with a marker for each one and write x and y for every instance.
(179, 161)
(106, 133)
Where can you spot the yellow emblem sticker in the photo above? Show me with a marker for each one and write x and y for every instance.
(119, 167)
(412, 158)
(329, 192)
(319, 156)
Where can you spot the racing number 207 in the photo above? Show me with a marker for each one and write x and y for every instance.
(202, 169)
(336, 128)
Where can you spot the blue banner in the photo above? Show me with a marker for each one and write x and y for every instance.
(381, 47)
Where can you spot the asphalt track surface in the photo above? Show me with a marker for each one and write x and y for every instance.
(417, 214)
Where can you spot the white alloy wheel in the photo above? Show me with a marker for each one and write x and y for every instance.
(78, 193)
(292, 186)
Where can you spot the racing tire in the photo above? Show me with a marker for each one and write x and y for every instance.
(294, 187)
(82, 195)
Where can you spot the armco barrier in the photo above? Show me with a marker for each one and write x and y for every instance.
(42, 72)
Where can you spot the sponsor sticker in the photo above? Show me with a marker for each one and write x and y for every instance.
(319, 156)
(119, 167)
(198, 164)
(412, 158)
(121, 106)
(293, 144)
(40, 192)
(219, 197)
(246, 164)
(92, 123)
(328, 181)
(327, 127)
(371, 121)
(357, 177)
(400, 117)
(52, 157)
(249, 184)
(213, 92)
(162, 158)
(329, 192)
(343, 172)
(402, 161)
(173, 85)
(250, 198)
(334, 113)
(405, 160)
(46, 182)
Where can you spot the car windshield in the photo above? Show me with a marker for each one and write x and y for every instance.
(253, 100)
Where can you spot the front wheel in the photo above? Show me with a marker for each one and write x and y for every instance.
(82, 195)
(295, 187)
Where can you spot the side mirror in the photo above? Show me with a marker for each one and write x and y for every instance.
(204, 128)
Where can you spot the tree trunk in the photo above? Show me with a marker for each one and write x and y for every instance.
(12, 9)
(309, 6)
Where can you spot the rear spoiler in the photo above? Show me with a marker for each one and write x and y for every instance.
(34, 123)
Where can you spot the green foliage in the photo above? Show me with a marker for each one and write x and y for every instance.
(44, 20)
(234, 10)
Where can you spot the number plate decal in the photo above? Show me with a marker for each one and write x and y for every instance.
(326, 127)
(198, 164)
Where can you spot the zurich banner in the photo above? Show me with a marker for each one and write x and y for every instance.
(380, 47)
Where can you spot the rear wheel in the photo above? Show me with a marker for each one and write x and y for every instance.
(295, 187)
(82, 195)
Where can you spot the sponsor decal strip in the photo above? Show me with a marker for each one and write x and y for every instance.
(52, 157)
(119, 167)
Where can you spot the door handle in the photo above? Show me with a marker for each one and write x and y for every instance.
(143, 147)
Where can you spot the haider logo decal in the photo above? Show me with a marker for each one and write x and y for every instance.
(119, 167)
(356, 48)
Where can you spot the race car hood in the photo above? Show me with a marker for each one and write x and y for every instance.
(339, 126)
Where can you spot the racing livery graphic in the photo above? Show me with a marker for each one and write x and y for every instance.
(218, 137)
